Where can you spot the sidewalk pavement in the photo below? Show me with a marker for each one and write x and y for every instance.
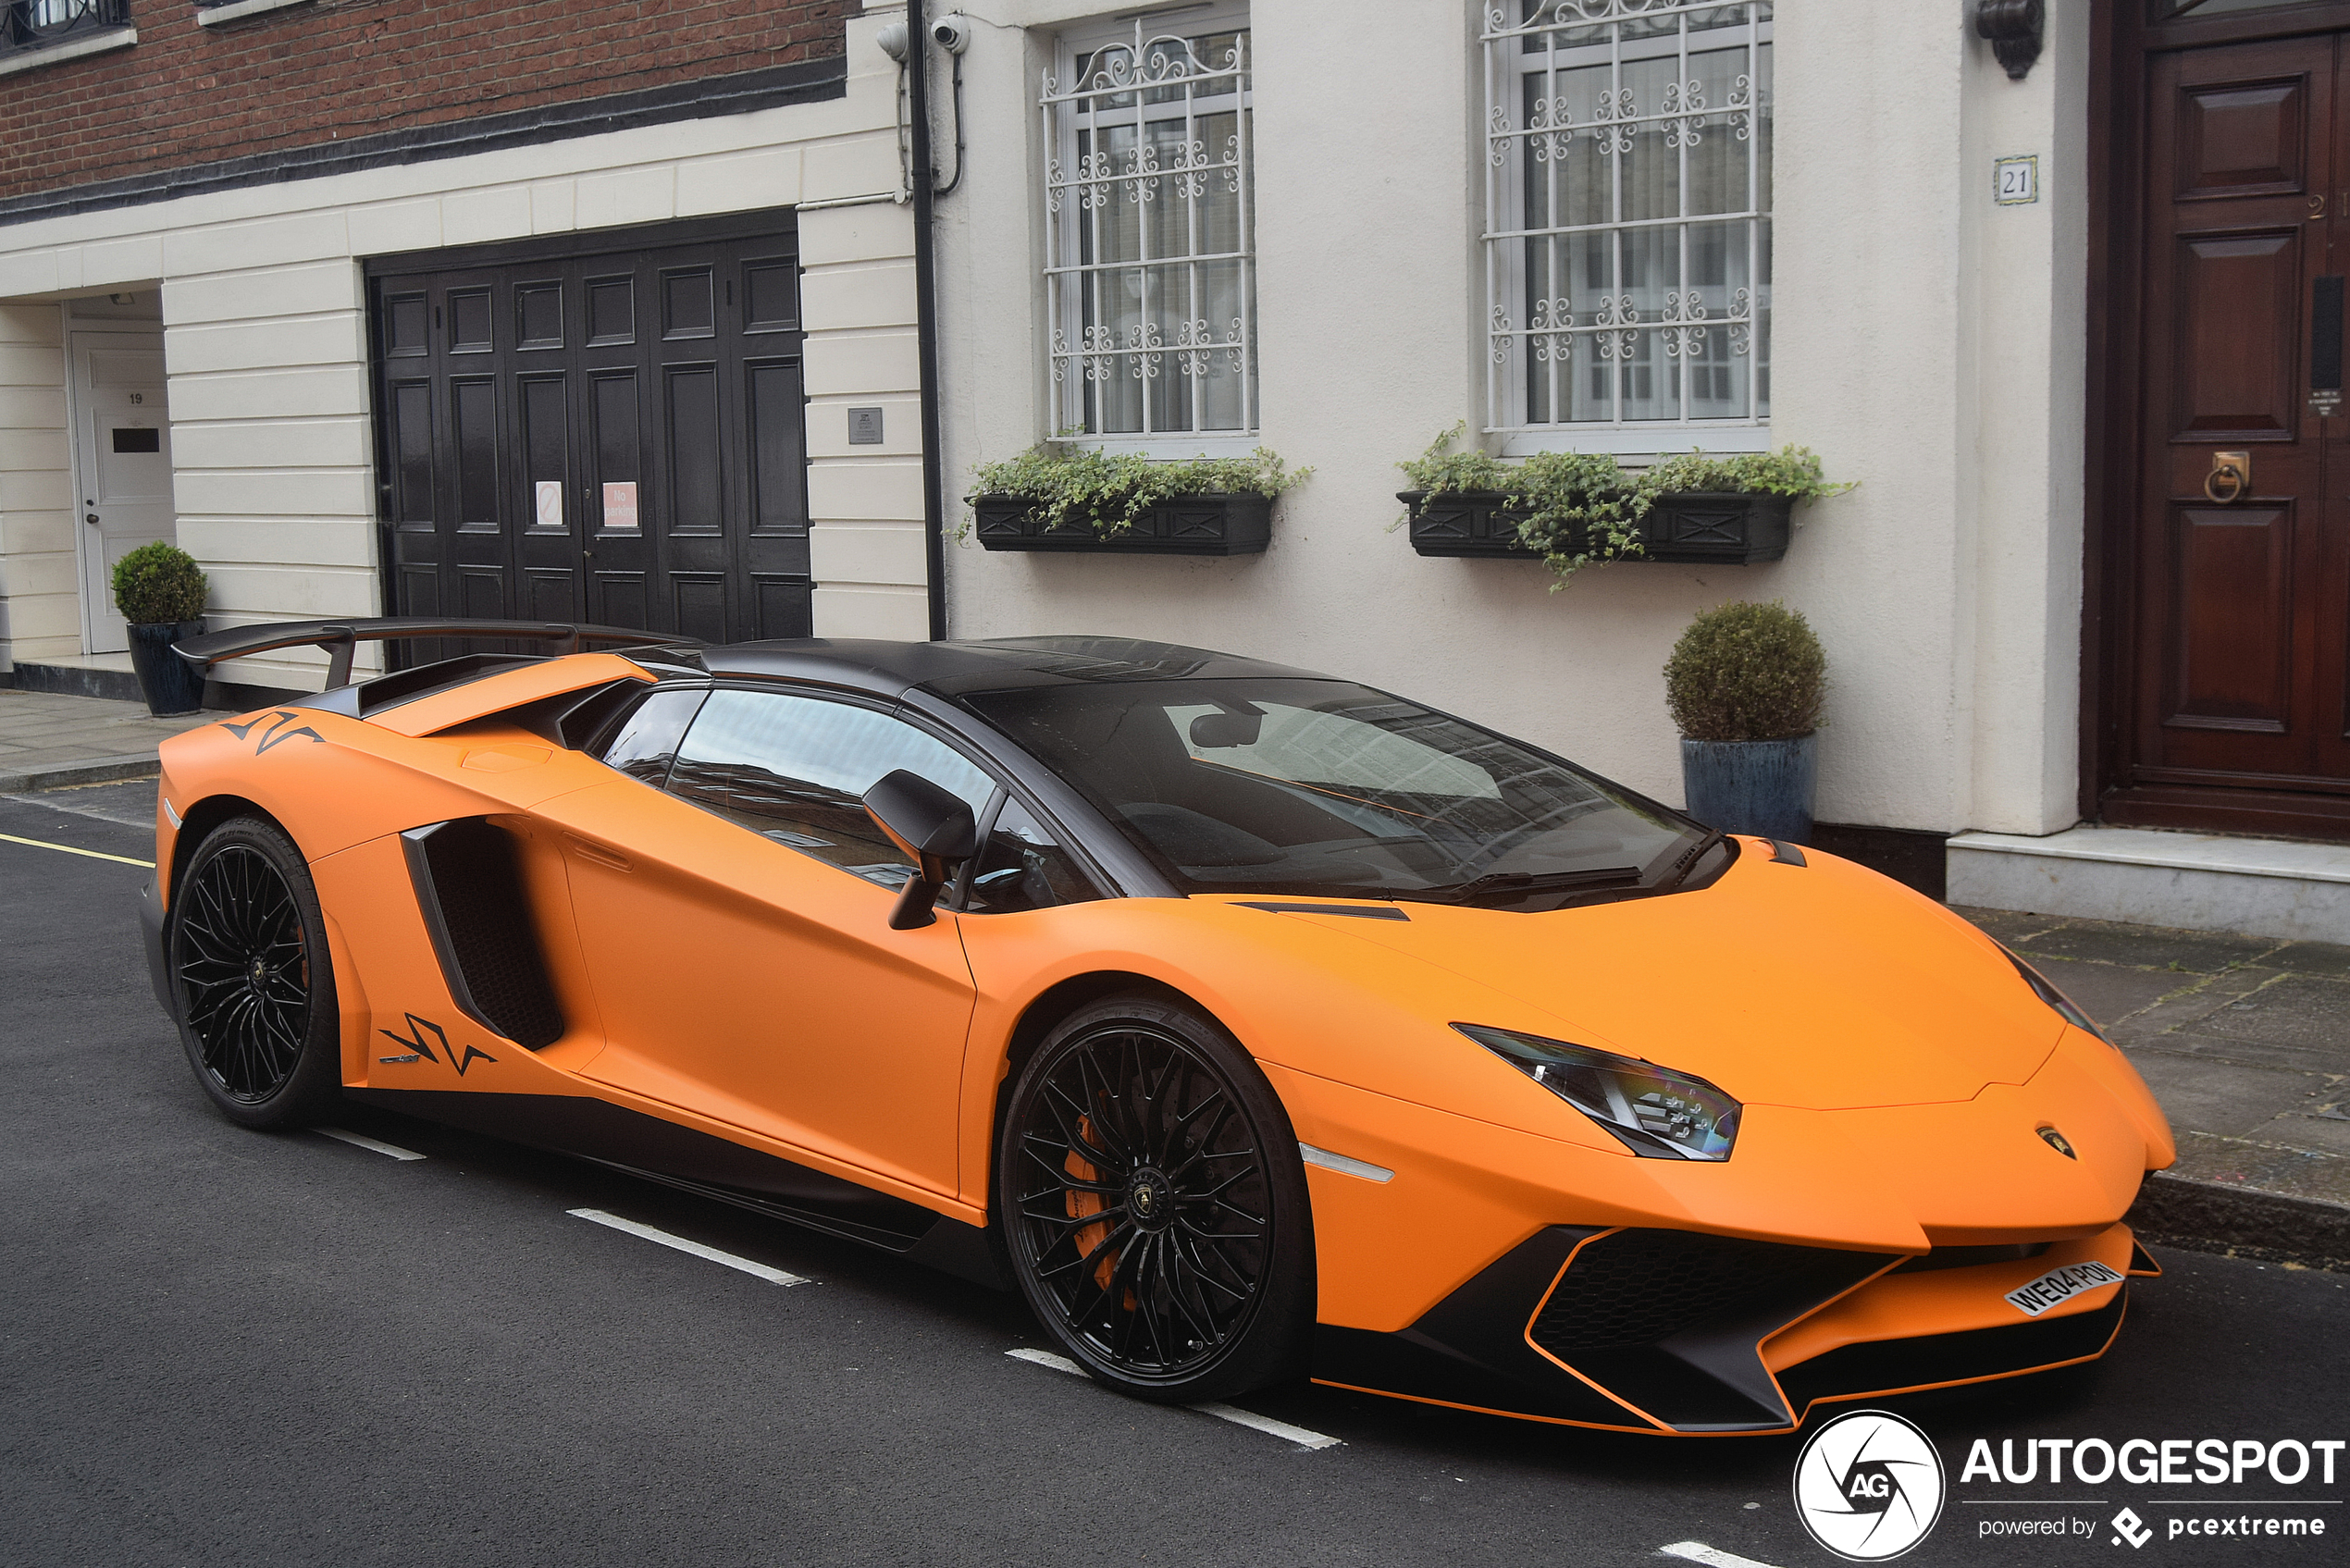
(48, 739)
(2245, 1040)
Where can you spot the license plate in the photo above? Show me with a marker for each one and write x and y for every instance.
(2062, 1285)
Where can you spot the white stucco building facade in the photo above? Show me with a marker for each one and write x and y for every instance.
(1928, 342)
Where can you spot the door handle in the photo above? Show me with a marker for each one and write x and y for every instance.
(89, 517)
(2231, 472)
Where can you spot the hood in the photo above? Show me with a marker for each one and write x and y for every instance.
(1823, 986)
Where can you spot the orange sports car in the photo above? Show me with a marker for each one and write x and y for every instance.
(1249, 1022)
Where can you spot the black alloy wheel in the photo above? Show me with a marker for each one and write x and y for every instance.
(1155, 1204)
(254, 987)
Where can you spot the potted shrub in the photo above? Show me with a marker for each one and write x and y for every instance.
(1058, 498)
(1579, 509)
(160, 592)
(1745, 685)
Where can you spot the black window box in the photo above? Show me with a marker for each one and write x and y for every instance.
(1210, 524)
(1694, 527)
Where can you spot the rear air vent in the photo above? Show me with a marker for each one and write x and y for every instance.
(469, 890)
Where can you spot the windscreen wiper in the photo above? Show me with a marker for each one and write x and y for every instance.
(1517, 883)
(1688, 861)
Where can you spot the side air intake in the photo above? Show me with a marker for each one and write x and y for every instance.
(469, 890)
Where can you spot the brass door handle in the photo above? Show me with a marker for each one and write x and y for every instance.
(2231, 469)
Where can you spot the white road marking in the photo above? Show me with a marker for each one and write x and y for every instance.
(1301, 1435)
(758, 1270)
(360, 1139)
(70, 849)
(1697, 1551)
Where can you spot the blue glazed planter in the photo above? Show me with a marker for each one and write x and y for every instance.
(1763, 787)
(170, 683)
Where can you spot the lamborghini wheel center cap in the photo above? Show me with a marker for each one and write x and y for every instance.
(1150, 1199)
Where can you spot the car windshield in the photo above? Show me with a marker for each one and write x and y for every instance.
(1320, 787)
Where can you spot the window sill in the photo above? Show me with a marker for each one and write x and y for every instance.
(237, 10)
(1166, 448)
(73, 49)
(1636, 442)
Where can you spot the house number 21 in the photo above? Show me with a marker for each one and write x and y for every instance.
(2015, 182)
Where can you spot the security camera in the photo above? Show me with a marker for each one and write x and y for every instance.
(891, 39)
(952, 32)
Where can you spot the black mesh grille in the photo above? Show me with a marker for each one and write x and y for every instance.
(1638, 1287)
(478, 886)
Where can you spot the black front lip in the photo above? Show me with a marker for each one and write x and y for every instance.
(1475, 1349)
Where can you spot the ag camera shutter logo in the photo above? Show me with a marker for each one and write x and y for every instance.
(1869, 1486)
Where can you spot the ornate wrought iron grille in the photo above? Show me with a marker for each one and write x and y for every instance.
(1150, 230)
(39, 24)
(1627, 202)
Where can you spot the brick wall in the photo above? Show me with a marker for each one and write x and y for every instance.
(188, 95)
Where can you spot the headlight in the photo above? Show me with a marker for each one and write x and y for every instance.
(2063, 1004)
(1652, 1110)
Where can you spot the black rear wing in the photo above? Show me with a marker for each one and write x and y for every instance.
(342, 639)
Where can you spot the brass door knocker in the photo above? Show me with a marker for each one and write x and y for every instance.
(2231, 476)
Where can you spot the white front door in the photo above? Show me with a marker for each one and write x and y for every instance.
(122, 466)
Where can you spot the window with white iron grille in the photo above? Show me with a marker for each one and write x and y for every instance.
(1628, 223)
(1150, 261)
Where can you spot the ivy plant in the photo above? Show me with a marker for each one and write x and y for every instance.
(1578, 508)
(1071, 487)
(1790, 471)
(1582, 509)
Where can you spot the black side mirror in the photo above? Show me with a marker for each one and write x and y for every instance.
(933, 826)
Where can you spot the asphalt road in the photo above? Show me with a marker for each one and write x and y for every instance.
(223, 1347)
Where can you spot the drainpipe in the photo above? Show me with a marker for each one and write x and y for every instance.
(926, 315)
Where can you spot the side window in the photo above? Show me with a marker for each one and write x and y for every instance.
(795, 769)
(646, 742)
(1020, 868)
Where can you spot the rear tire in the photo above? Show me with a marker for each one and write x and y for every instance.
(1154, 1204)
(253, 989)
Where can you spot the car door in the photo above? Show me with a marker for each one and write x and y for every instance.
(734, 900)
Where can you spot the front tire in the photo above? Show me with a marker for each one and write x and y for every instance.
(253, 989)
(1154, 1204)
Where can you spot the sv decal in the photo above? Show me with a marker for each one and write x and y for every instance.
(275, 734)
(415, 1038)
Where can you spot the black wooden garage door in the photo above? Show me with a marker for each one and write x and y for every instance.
(608, 430)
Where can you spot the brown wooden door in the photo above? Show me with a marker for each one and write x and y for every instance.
(2238, 716)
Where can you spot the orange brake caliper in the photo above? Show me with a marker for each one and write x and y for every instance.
(1083, 1203)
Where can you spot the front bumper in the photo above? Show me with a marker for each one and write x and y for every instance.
(1653, 1331)
(151, 935)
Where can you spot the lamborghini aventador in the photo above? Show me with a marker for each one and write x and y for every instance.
(1250, 1023)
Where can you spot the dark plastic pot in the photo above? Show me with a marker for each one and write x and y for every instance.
(169, 683)
(1217, 524)
(1763, 787)
(1687, 529)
